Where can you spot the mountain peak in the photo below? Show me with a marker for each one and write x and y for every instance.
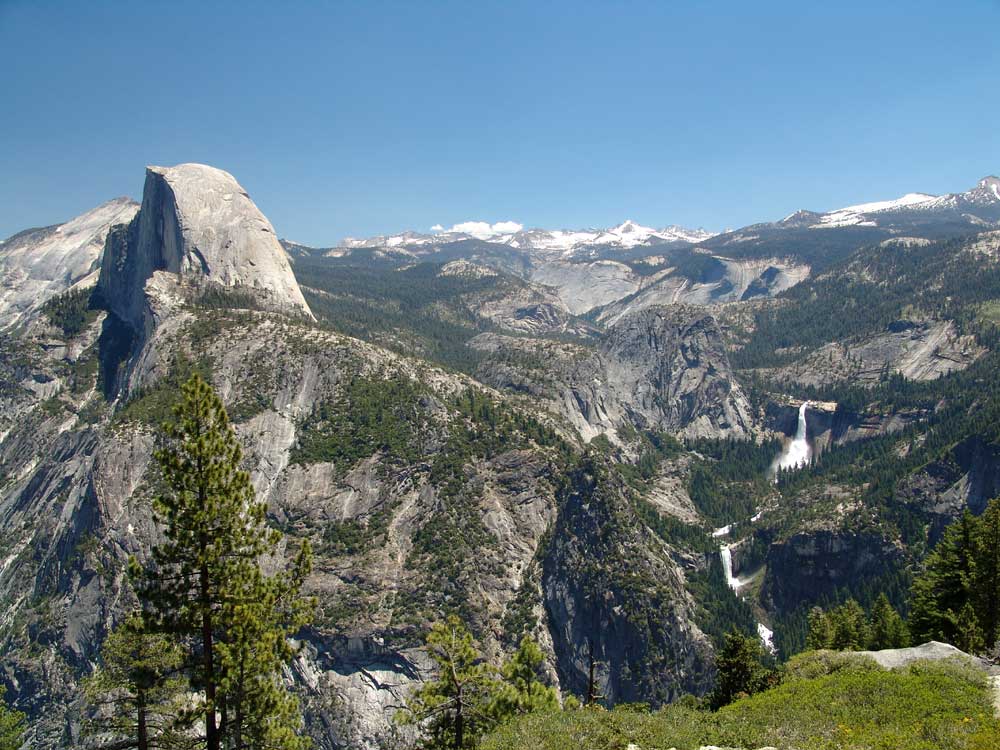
(629, 227)
(989, 188)
(199, 224)
(38, 264)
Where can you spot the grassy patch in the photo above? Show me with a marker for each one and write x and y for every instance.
(820, 706)
(989, 312)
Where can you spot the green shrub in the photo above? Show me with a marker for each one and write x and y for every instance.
(828, 701)
(71, 311)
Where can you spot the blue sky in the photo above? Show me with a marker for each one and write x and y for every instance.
(356, 118)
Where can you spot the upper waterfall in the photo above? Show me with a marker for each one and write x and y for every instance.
(797, 453)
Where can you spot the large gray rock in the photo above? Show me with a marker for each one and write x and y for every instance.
(37, 264)
(893, 658)
(815, 563)
(614, 596)
(199, 226)
(917, 350)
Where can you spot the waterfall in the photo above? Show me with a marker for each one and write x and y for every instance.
(727, 567)
(766, 636)
(795, 455)
(798, 453)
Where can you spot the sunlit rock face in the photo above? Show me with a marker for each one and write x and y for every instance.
(38, 264)
(199, 226)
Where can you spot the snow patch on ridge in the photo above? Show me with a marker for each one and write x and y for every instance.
(857, 215)
(626, 235)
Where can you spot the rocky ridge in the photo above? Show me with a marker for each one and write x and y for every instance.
(662, 368)
(37, 264)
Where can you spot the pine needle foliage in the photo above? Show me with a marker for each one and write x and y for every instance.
(956, 598)
(206, 587)
(848, 628)
(472, 697)
(137, 691)
(741, 670)
(11, 725)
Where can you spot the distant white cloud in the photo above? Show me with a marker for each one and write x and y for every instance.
(482, 229)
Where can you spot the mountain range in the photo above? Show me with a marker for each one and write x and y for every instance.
(979, 206)
(567, 434)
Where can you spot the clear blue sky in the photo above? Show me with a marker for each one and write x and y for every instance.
(368, 117)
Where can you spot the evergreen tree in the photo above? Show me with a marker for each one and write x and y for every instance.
(137, 691)
(886, 628)
(968, 634)
(11, 725)
(206, 586)
(470, 697)
(260, 712)
(458, 706)
(740, 671)
(522, 692)
(850, 627)
(945, 586)
(986, 576)
(820, 631)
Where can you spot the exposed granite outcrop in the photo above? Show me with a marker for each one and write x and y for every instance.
(197, 228)
(812, 565)
(917, 350)
(663, 368)
(614, 595)
(37, 264)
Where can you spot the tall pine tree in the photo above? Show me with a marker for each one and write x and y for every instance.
(455, 708)
(741, 671)
(986, 577)
(206, 587)
(886, 628)
(137, 691)
(947, 585)
(470, 696)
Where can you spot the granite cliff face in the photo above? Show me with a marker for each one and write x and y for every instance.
(428, 488)
(629, 614)
(197, 228)
(811, 566)
(610, 289)
(662, 368)
(38, 264)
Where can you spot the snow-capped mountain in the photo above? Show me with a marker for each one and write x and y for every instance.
(981, 203)
(820, 239)
(565, 242)
(860, 215)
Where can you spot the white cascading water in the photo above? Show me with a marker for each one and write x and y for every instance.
(794, 456)
(798, 453)
(766, 636)
(727, 567)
